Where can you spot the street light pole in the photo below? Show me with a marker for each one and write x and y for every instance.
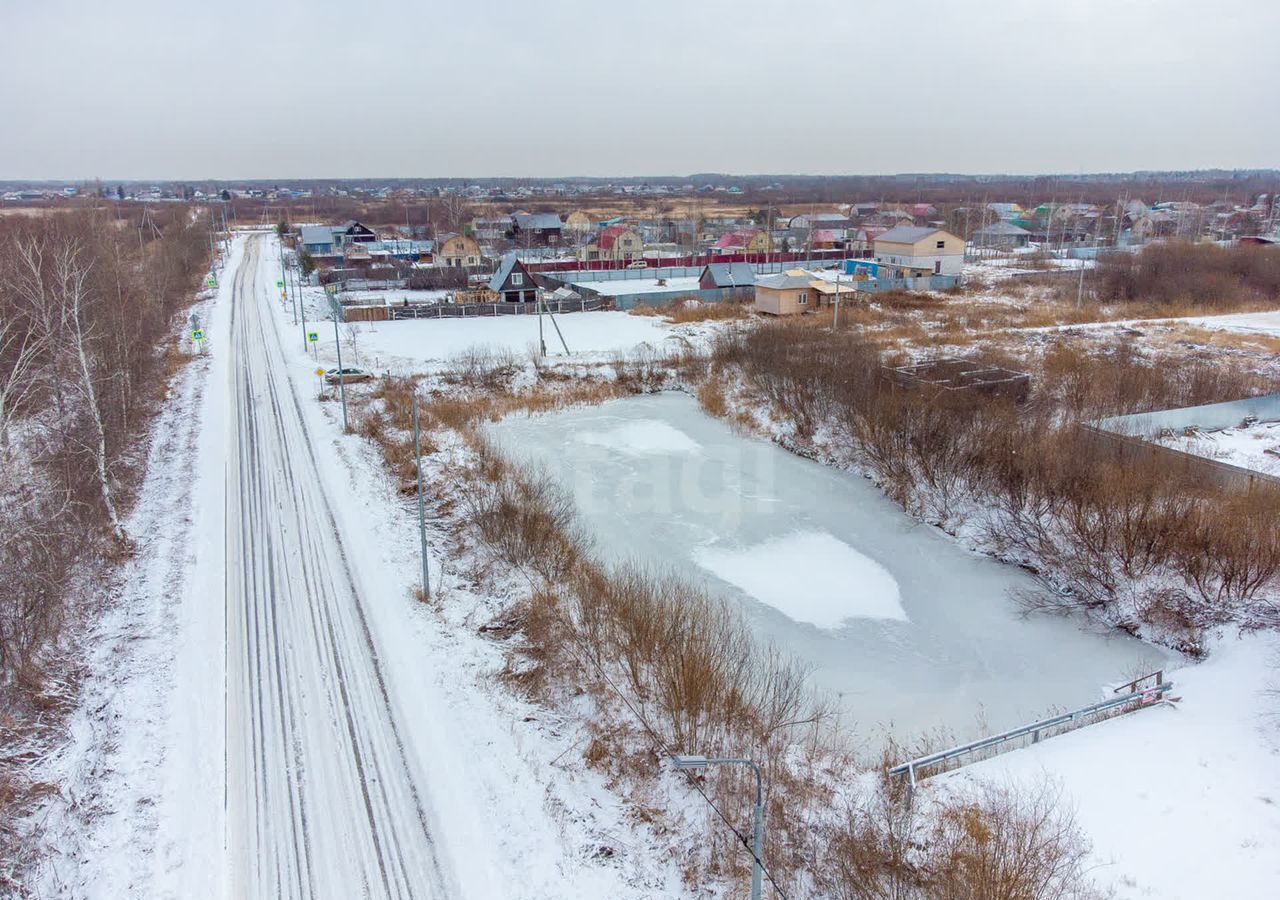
(698, 763)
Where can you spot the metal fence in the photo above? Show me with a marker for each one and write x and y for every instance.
(1141, 693)
(471, 310)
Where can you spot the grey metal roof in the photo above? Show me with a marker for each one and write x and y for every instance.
(737, 274)
(785, 281)
(499, 278)
(532, 221)
(318, 234)
(906, 234)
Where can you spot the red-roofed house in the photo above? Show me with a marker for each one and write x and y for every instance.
(826, 239)
(616, 242)
(748, 240)
(922, 211)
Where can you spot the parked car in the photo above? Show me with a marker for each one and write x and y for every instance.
(638, 264)
(347, 375)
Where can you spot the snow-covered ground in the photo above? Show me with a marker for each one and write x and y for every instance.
(423, 344)
(1264, 323)
(148, 809)
(1000, 268)
(1181, 802)
(619, 286)
(394, 296)
(422, 340)
(1255, 447)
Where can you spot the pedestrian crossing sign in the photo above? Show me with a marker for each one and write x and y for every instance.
(313, 336)
(197, 334)
(279, 283)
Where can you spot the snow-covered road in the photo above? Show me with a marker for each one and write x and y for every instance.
(322, 797)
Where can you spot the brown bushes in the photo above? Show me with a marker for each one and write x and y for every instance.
(1195, 276)
(684, 310)
(1112, 530)
(996, 844)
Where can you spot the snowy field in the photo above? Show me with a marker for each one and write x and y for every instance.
(1181, 802)
(413, 341)
(1256, 447)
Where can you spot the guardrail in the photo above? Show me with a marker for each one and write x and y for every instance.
(1143, 697)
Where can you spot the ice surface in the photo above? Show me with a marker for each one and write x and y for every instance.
(809, 576)
(640, 437)
(912, 631)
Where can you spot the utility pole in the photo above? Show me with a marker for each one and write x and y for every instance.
(542, 343)
(835, 315)
(342, 381)
(422, 516)
(1080, 286)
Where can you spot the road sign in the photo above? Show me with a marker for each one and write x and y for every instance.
(211, 281)
(279, 283)
(197, 334)
(320, 372)
(313, 336)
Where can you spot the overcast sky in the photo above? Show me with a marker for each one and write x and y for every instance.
(279, 88)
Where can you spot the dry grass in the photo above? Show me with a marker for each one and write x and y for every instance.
(684, 310)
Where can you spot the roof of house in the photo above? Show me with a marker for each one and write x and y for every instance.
(741, 238)
(318, 234)
(534, 221)
(609, 236)
(448, 236)
(788, 280)
(906, 234)
(1002, 228)
(505, 267)
(737, 274)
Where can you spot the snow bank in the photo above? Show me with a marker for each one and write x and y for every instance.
(1180, 803)
(809, 576)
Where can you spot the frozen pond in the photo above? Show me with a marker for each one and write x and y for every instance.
(909, 629)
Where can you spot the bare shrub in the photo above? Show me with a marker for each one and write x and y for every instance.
(1194, 276)
(483, 367)
(1007, 844)
(1113, 526)
(528, 521)
(998, 843)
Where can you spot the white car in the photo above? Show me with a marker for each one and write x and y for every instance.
(347, 375)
